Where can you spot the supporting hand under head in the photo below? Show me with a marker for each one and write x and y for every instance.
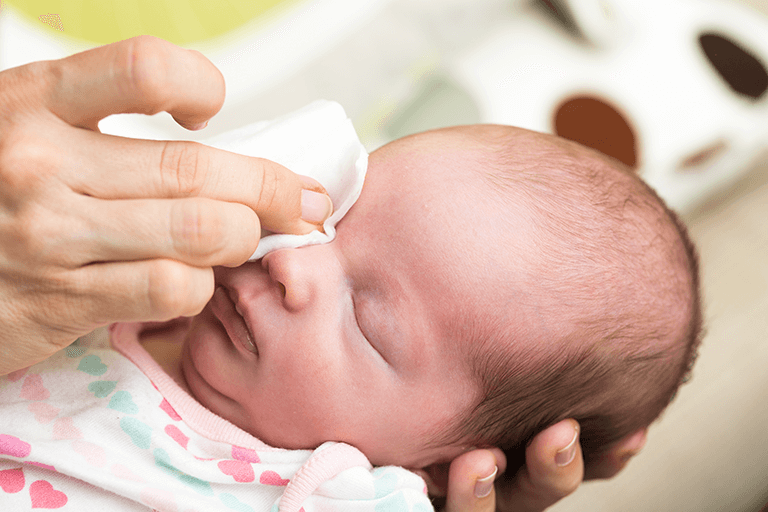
(554, 468)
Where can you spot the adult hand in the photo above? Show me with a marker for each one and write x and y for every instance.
(553, 469)
(95, 228)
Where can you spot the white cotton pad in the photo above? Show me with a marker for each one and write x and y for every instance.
(318, 141)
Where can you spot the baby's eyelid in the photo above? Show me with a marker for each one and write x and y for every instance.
(362, 333)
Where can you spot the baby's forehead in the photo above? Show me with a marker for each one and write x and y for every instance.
(427, 208)
(545, 215)
(454, 185)
(498, 180)
(482, 138)
(454, 157)
(498, 152)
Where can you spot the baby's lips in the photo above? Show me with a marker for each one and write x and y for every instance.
(316, 205)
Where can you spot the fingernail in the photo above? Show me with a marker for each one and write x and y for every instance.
(315, 207)
(200, 126)
(484, 486)
(566, 455)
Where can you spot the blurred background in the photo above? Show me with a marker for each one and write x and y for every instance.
(675, 89)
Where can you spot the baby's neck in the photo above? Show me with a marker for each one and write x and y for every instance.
(165, 346)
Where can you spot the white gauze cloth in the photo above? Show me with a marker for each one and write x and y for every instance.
(318, 141)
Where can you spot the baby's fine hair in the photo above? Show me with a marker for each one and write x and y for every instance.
(621, 281)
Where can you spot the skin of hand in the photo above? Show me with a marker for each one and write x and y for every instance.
(554, 468)
(96, 229)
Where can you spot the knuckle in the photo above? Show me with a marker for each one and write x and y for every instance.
(24, 236)
(237, 249)
(183, 167)
(25, 166)
(250, 235)
(142, 63)
(196, 228)
(168, 287)
(271, 182)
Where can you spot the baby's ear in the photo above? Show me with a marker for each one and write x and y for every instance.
(436, 477)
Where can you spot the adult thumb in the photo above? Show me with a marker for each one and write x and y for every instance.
(288, 202)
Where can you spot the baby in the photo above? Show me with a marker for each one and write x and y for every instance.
(489, 282)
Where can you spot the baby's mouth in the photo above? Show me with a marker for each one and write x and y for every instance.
(231, 317)
(249, 334)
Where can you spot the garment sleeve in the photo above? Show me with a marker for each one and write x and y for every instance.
(383, 489)
(338, 477)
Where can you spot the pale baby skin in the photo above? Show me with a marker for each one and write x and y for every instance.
(376, 339)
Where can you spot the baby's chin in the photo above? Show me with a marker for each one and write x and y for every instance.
(193, 371)
(193, 382)
(184, 362)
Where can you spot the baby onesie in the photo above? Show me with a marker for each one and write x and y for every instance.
(100, 427)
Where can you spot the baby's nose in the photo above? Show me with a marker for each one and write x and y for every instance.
(288, 271)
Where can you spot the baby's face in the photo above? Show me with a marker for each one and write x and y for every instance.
(365, 339)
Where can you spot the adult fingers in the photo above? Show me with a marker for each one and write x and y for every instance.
(611, 462)
(150, 290)
(471, 482)
(196, 231)
(284, 201)
(553, 469)
(143, 75)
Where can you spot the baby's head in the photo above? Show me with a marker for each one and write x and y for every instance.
(602, 316)
(488, 282)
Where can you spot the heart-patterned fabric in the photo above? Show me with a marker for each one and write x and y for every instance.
(89, 415)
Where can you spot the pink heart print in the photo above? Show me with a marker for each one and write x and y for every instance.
(13, 446)
(45, 496)
(245, 454)
(239, 470)
(12, 480)
(14, 376)
(94, 454)
(64, 428)
(33, 388)
(269, 477)
(43, 411)
(169, 410)
(177, 435)
(41, 465)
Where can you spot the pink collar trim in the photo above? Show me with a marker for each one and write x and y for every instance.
(124, 338)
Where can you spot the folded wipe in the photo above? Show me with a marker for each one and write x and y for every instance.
(318, 141)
